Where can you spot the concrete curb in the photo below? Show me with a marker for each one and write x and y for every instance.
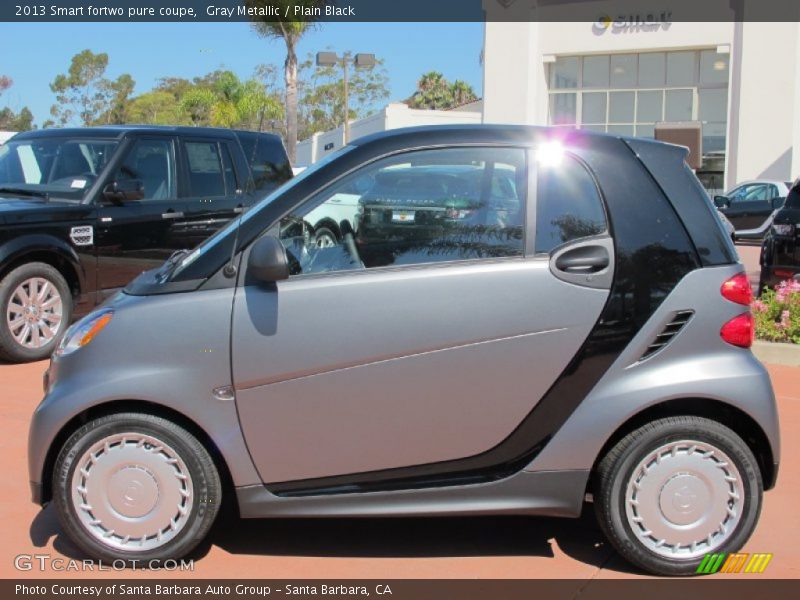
(777, 354)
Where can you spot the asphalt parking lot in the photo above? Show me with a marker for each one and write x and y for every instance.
(507, 547)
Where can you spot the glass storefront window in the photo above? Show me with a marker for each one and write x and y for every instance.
(714, 68)
(680, 68)
(678, 105)
(623, 70)
(621, 107)
(652, 69)
(713, 104)
(594, 107)
(595, 71)
(650, 107)
(621, 129)
(564, 73)
(563, 109)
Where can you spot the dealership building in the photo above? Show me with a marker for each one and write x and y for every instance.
(623, 74)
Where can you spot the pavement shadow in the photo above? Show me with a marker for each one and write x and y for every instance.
(406, 537)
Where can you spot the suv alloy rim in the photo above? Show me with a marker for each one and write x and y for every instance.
(132, 491)
(34, 312)
(684, 499)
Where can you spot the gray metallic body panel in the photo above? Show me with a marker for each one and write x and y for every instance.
(696, 364)
(371, 370)
(555, 493)
(169, 350)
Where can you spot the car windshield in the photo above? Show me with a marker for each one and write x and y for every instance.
(61, 167)
(253, 212)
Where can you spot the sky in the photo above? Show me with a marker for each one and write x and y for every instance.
(32, 54)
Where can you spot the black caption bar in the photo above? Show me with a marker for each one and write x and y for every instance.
(225, 589)
(642, 12)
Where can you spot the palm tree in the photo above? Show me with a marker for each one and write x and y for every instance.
(290, 31)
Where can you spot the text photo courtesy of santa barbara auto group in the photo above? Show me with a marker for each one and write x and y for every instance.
(350, 298)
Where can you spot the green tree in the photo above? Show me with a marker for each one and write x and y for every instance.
(84, 93)
(434, 92)
(290, 31)
(322, 95)
(155, 108)
(10, 120)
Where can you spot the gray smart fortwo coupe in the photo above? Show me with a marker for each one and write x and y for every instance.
(550, 316)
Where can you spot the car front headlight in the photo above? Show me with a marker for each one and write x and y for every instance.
(83, 332)
(783, 228)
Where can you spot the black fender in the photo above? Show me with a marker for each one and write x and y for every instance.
(16, 248)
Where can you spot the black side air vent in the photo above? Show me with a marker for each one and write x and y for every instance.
(670, 330)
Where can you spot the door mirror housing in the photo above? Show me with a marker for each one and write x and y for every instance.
(778, 203)
(268, 262)
(722, 202)
(125, 190)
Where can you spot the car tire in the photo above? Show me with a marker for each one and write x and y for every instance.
(325, 237)
(135, 488)
(23, 339)
(665, 494)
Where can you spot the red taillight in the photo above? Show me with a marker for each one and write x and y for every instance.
(737, 289)
(784, 274)
(739, 331)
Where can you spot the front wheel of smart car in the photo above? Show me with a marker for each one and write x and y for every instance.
(675, 490)
(135, 487)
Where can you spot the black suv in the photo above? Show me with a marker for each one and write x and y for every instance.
(83, 211)
(780, 252)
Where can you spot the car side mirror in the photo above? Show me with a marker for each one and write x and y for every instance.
(118, 192)
(268, 262)
(778, 203)
(722, 201)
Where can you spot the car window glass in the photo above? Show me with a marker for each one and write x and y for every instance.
(152, 162)
(205, 169)
(267, 159)
(568, 205)
(231, 185)
(419, 207)
(749, 193)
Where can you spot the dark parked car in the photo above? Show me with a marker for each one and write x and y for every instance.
(750, 206)
(595, 341)
(780, 252)
(84, 211)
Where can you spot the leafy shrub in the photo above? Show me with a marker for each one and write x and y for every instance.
(777, 313)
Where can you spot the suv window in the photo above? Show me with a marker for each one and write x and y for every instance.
(153, 163)
(568, 205)
(267, 159)
(420, 207)
(205, 169)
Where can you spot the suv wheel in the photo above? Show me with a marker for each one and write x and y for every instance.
(135, 487)
(675, 490)
(36, 309)
(325, 237)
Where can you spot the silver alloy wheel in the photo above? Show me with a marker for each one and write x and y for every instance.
(34, 313)
(132, 492)
(325, 240)
(684, 499)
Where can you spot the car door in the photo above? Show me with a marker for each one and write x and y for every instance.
(436, 348)
(213, 190)
(134, 235)
(747, 202)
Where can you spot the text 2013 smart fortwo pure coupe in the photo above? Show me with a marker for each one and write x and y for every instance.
(560, 314)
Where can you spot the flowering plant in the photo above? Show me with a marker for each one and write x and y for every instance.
(777, 313)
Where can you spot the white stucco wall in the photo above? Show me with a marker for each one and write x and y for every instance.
(764, 94)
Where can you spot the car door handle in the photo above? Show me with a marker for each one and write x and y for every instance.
(239, 209)
(585, 259)
(171, 214)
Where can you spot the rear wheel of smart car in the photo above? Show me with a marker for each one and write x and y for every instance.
(36, 308)
(135, 487)
(675, 490)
